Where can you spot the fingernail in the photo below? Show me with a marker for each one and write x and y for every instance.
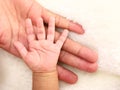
(66, 30)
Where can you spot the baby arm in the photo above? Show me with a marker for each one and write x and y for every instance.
(42, 55)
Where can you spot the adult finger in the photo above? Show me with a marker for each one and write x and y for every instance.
(77, 62)
(62, 22)
(64, 73)
(78, 49)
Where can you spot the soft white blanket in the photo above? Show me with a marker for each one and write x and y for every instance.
(101, 20)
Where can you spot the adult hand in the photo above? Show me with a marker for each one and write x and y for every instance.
(12, 27)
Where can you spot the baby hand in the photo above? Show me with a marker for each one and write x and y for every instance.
(42, 55)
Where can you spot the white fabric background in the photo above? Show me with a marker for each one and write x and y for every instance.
(101, 20)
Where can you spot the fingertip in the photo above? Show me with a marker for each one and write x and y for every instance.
(52, 19)
(92, 68)
(67, 76)
(73, 79)
(39, 20)
(66, 30)
(76, 27)
(27, 21)
(16, 43)
(95, 54)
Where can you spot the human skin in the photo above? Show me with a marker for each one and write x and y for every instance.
(42, 53)
(12, 27)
